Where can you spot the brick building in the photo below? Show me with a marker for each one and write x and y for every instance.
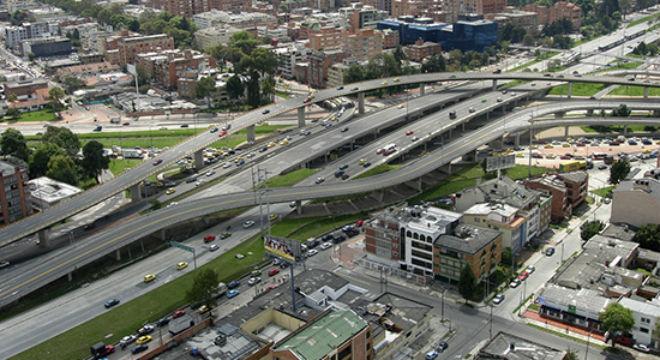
(166, 67)
(326, 38)
(421, 49)
(122, 49)
(480, 248)
(569, 190)
(319, 63)
(14, 194)
(363, 45)
(559, 10)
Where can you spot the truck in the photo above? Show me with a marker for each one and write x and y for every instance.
(100, 350)
(180, 324)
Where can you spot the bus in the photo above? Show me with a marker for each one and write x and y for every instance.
(572, 166)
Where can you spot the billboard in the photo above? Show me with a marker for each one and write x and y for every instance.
(285, 249)
(500, 162)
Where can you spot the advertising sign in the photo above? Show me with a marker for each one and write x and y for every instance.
(285, 249)
(500, 162)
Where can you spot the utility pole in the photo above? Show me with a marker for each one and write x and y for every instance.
(586, 351)
(491, 321)
(442, 311)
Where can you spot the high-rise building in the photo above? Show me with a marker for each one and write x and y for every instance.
(14, 195)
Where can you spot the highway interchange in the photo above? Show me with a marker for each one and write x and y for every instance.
(517, 121)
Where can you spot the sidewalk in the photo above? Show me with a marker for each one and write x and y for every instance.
(556, 326)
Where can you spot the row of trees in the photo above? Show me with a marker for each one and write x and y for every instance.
(255, 65)
(57, 155)
(646, 49)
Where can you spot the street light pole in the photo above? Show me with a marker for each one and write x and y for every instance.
(442, 312)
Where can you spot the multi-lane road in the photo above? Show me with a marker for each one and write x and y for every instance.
(134, 176)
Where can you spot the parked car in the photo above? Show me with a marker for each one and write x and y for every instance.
(641, 347)
(312, 252)
(233, 284)
(232, 293)
(274, 271)
(326, 245)
(515, 283)
(442, 346)
(139, 349)
(146, 329)
(549, 251)
(431, 355)
(523, 276)
(143, 339)
(530, 269)
(178, 313)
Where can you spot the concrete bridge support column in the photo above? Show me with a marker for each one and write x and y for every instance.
(646, 92)
(136, 192)
(570, 89)
(422, 89)
(516, 140)
(251, 134)
(298, 207)
(198, 158)
(463, 127)
(301, 117)
(494, 85)
(44, 238)
(69, 277)
(625, 129)
(361, 103)
(565, 131)
(118, 255)
(559, 115)
(590, 112)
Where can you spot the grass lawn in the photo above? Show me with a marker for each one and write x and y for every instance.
(290, 179)
(644, 19)
(579, 89)
(39, 115)
(467, 177)
(544, 55)
(634, 91)
(118, 166)
(380, 169)
(303, 229)
(112, 325)
(617, 129)
(604, 191)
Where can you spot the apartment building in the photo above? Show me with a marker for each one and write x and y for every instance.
(15, 200)
(561, 208)
(502, 217)
(122, 49)
(165, 67)
(319, 63)
(46, 47)
(646, 315)
(188, 8)
(363, 45)
(421, 50)
(480, 248)
(636, 202)
(213, 36)
(239, 20)
(15, 35)
(362, 16)
(558, 11)
(288, 56)
(326, 38)
(525, 19)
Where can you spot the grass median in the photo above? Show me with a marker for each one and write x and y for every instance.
(291, 178)
(380, 169)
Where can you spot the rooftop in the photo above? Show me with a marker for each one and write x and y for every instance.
(511, 347)
(620, 232)
(50, 191)
(641, 307)
(576, 176)
(323, 335)
(487, 209)
(583, 300)
(467, 238)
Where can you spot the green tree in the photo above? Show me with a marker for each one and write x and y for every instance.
(64, 138)
(623, 111)
(243, 41)
(354, 73)
(62, 168)
(56, 95)
(235, 88)
(13, 143)
(204, 286)
(571, 355)
(616, 320)
(72, 83)
(591, 228)
(436, 63)
(648, 237)
(619, 170)
(268, 87)
(205, 88)
(399, 55)
(41, 156)
(467, 284)
(94, 161)
(13, 113)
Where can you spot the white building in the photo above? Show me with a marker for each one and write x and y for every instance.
(242, 20)
(636, 202)
(647, 315)
(213, 36)
(288, 55)
(47, 192)
(14, 35)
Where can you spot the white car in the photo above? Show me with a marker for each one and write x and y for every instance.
(312, 252)
(210, 173)
(641, 347)
(226, 165)
(214, 247)
(326, 245)
(254, 281)
(248, 224)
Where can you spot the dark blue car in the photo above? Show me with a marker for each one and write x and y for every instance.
(233, 284)
(139, 349)
(110, 303)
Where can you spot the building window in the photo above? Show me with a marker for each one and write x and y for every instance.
(408, 233)
(415, 236)
(644, 330)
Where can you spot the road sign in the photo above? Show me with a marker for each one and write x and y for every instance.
(285, 249)
(182, 246)
(500, 162)
(131, 69)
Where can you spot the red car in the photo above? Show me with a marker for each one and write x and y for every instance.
(222, 133)
(409, 132)
(523, 276)
(380, 151)
(208, 238)
(359, 223)
(273, 271)
(178, 313)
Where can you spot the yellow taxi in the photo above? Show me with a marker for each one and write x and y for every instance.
(181, 265)
(362, 161)
(271, 144)
(284, 142)
(396, 80)
(149, 278)
(170, 191)
(273, 217)
(384, 83)
(143, 339)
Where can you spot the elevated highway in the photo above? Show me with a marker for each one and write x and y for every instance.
(19, 282)
(65, 209)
